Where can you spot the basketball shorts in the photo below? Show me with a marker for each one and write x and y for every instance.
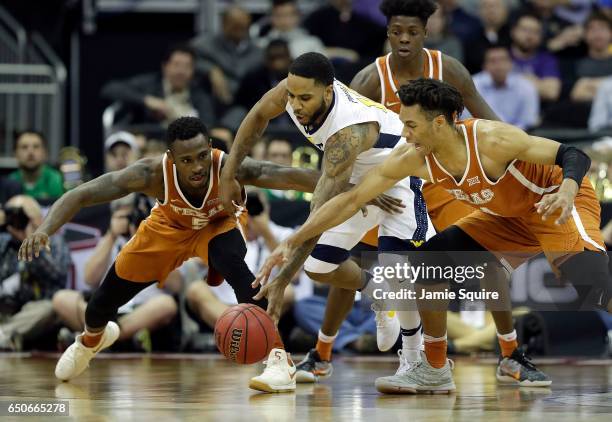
(395, 231)
(156, 249)
(516, 239)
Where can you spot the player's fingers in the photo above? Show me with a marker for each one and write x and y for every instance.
(36, 246)
(393, 200)
(552, 207)
(565, 214)
(21, 249)
(393, 206)
(263, 292)
(364, 211)
(544, 203)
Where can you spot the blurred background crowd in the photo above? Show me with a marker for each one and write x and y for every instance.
(89, 86)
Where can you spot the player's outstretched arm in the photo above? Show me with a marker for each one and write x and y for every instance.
(504, 143)
(403, 162)
(136, 178)
(265, 174)
(251, 129)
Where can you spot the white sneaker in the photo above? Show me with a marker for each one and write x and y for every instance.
(278, 376)
(75, 358)
(387, 328)
(405, 363)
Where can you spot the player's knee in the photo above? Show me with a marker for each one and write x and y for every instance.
(166, 306)
(320, 277)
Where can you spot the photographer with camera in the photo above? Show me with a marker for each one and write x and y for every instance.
(151, 309)
(27, 287)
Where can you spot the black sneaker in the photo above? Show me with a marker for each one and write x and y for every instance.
(312, 368)
(518, 369)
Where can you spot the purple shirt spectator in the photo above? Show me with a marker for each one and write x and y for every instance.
(542, 64)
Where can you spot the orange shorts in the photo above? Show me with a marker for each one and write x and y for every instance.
(157, 248)
(371, 237)
(520, 238)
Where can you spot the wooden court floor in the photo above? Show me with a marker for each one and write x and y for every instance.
(208, 388)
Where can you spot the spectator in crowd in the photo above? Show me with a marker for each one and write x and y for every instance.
(35, 176)
(440, 38)
(280, 151)
(461, 23)
(495, 30)
(26, 288)
(260, 80)
(154, 148)
(558, 33)
(349, 37)
(285, 21)
(226, 57)
(223, 134)
(537, 65)
(8, 189)
(207, 303)
(591, 70)
(151, 309)
(601, 111)
(120, 150)
(513, 97)
(156, 99)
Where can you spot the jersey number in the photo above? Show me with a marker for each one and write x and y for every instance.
(198, 223)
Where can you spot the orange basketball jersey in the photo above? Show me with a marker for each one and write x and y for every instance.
(432, 68)
(443, 210)
(512, 195)
(176, 209)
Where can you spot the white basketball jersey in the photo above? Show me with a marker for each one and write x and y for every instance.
(350, 108)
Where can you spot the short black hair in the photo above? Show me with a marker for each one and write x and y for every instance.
(277, 43)
(421, 9)
(525, 15)
(178, 48)
(496, 46)
(276, 3)
(20, 133)
(313, 66)
(598, 16)
(435, 97)
(185, 128)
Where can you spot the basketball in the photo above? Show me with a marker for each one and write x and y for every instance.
(245, 333)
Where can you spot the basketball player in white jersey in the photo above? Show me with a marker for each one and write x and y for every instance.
(355, 134)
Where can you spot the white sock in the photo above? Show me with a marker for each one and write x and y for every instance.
(412, 338)
(508, 337)
(327, 339)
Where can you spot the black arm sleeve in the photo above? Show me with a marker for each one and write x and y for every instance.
(574, 163)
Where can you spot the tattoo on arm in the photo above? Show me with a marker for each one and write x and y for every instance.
(109, 186)
(341, 151)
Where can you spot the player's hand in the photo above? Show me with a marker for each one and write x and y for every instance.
(231, 195)
(157, 106)
(32, 245)
(274, 291)
(279, 256)
(386, 203)
(553, 202)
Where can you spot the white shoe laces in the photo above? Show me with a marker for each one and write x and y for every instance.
(381, 317)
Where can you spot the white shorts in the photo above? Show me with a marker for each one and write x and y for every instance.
(394, 233)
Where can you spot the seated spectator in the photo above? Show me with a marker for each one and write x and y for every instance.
(440, 38)
(26, 288)
(591, 70)
(156, 99)
(226, 57)
(222, 134)
(513, 97)
(558, 33)
(280, 151)
(260, 80)
(350, 39)
(537, 65)
(35, 176)
(149, 310)
(495, 30)
(461, 23)
(120, 150)
(601, 111)
(285, 20)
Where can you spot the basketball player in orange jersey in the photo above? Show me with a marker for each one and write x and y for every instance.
(187, 221)
(408, 60)
(531, 196)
